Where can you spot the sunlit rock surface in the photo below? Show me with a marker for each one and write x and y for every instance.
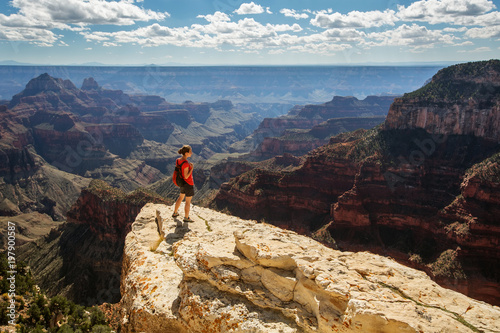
(224, 274)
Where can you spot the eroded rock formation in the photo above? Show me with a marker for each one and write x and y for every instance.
(462, 99)
(311, 126)
(300, 142)
(224, 274)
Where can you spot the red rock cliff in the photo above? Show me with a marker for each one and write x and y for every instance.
(109, 211)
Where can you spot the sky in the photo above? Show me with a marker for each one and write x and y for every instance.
(260, 32)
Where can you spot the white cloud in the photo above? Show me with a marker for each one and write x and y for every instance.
(345, 35)
(320, 48)
(245, 34)
(276, 51)
(355, 19)
(462, 29)
(216, 17)
(220, 32)
(466, 43)
(249, 8)
(415, 36)
(95, 36)
(35, 19)
(39, 37)
(461, 12)
(85, 12)
(481, 50)
(487, 32)
(285, 27)
(292, 13)
(327, 32)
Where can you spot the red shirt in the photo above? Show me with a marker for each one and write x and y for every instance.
(188, 180)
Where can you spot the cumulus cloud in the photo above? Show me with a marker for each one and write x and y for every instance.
(354, 19)
(293, 13)
(415, 36)
(325, 32)
(39, 37)
(85, 12)
(466, 43)
(345, 35)
(216, 17)
(460, 12)
(35, 19)
(462, 29)
(245, 34)
(249, 8)
(486, 32)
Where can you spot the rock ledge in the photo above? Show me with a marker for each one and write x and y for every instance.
(225, 274)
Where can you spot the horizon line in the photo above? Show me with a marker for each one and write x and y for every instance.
(373, 64)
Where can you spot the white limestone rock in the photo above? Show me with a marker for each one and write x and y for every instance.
(224, 274)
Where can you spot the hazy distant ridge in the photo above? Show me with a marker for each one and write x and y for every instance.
(240, 84)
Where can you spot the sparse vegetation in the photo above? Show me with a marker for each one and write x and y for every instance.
(448, 265)
(297, 135)
(457, 84)
(487, 170)
(38, 313)
(456, 316)
(460, 229)
(415, 258)
(206, 222)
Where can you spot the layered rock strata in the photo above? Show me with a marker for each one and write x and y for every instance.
(462, 99)
(299, 199)
(341, 114)
(224, 274)
(298, 142)
(406, 188)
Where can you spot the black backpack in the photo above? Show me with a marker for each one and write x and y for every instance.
(177, 175)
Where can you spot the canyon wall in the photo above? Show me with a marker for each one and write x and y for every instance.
(403, 188)
(82, 258)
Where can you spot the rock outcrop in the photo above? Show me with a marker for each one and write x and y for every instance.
(462, 99)
(224, 274)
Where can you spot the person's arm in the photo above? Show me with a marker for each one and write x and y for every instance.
(187, 171)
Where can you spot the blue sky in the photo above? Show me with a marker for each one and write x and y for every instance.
(260, 32)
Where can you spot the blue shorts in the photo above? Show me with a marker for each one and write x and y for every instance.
(188, 190)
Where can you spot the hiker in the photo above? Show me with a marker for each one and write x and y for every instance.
(187, 189)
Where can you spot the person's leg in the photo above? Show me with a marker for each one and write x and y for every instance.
(187, 207)
(178, 202)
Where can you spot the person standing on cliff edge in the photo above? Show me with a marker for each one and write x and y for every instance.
(187, 190)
